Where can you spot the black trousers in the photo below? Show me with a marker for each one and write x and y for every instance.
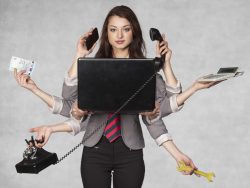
(106, 160)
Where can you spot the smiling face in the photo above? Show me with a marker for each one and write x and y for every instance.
(120, 34)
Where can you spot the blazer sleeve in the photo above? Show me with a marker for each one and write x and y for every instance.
(159, 132)
(166, 96)
(77, 125)
(69, 94)
(63, 105)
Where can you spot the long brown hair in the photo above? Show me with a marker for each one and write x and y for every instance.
(137, 47)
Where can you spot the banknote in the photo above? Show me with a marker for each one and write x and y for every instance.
(22, 64)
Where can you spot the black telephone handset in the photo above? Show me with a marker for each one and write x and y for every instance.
(156, 35)
(91, 40)
(35, 159)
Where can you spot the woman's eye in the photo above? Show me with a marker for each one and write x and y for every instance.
(127, 29)
(112, 30)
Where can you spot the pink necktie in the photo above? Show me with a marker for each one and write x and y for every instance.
(113, 128)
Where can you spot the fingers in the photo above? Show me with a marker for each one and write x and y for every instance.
(20, 77)
(207, 84)
(15, 72)
(43, 134)
(78, 114)
(82, 40)
(163, 36)
(215, 83)
(156, 112)
(151, 115)
(20, 73)
(75, 108)
(166, 51)
(85, 35)
(157, 105)
(210, 84)
(24, 79)
(164, 43)
(193, 169)
(34, 129)
(157, 50)
(44, 137)
(192, 166)
(162, 48)
(186, 165)
(77, 111)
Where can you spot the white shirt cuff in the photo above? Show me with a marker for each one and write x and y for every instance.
(176, 89)
(70, 81)
(57, 105)
(163, 138)
(74, 125)
(173, 104)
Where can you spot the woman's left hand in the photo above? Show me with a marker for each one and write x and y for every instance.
(43, 135)
(188, 162)
(162, 48)
(154, 114)
(204, 85)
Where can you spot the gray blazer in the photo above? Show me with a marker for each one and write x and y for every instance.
(130, 125)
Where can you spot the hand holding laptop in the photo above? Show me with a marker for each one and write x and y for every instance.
(153, 114)
(205, 84)
(222, 74)
(78, 113)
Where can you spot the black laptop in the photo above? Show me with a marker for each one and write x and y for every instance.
(105, 84)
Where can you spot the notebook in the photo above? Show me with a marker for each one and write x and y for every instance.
(222, 74)
(105, 84)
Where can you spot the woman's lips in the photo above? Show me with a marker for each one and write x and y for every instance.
(120, 41)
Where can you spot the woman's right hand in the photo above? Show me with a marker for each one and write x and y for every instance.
(78, 113)
(43, 135)
(81, 51)
(81, 45)
(24, 80)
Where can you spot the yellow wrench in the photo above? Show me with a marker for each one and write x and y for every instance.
(182, 167)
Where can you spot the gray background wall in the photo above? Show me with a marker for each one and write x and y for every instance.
(212, 128)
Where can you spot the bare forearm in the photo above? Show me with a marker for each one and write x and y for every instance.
(47, 98)
(61, 127)
(169, 74)
(73, 69)
(182, 97)
(172, 149)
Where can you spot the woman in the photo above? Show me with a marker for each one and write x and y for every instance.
(123, 157)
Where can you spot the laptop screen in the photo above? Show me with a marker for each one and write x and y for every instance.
(105, 84)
